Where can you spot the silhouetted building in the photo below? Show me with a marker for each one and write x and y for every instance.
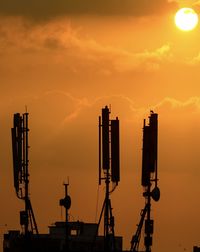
(196, 249)
(81, 238)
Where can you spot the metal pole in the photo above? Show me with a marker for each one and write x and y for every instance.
(106, 214)
(66, 219)
(25, 167)
(100, 150)
(148, 246)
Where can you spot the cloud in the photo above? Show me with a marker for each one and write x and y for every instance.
(67, 110)
(62, 42)
(195, 60)
(53, 8)
(193, 104)
(17, 33)
(196, 3)
(147, 60)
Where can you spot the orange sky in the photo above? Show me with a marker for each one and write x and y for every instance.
(65, 66)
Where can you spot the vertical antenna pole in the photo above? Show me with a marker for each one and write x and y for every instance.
(99, 150)
(156, 163)
(106, 213)
(66, 202)
(148, 220)
(25, 168)
(66, 218)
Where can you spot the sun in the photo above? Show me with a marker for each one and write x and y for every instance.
(186, 19)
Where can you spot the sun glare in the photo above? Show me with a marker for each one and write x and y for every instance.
(186, 19)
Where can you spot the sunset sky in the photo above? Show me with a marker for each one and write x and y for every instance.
(65, 60)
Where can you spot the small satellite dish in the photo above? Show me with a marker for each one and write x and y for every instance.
(66, 202)
(155, 194)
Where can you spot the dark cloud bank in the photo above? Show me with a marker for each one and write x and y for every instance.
(42, 9)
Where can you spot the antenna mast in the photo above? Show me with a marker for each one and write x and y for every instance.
(21, 171)
(66, 203)
(149, 178)
(108, 163)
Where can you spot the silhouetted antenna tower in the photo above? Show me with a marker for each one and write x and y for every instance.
(21, 171)
(109, 170)
(66, 203)
(149, 179)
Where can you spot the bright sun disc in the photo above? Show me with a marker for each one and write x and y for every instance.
(186, 19)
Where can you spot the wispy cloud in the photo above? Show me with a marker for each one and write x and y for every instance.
(176, 107)
(66, 45)
(149, 60)
(195, 60)
(66, 107)
(196, 3)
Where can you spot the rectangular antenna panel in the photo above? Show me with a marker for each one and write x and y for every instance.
(16, 132)
(115, 159)
(105, 138)
(153, 141)
(146, 156)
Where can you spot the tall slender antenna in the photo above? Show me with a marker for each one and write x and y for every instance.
(20, 149)
(109, 165)
(149, 177)
(66, 202)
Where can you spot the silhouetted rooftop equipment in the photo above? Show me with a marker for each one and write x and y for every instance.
(109, 155)
(149, 177)
(17, 150)
(21, 171)
(66, 203)
(79, 236)
(109, 165)
(149, 154)
(105, 138)
(115, 161)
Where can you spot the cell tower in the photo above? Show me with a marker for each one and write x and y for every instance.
(21, 172)
(109, 170)
(149, 179)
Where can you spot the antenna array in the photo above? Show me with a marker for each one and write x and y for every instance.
(109, 170)
(109, 147)
(21, 170)
(149, 178)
